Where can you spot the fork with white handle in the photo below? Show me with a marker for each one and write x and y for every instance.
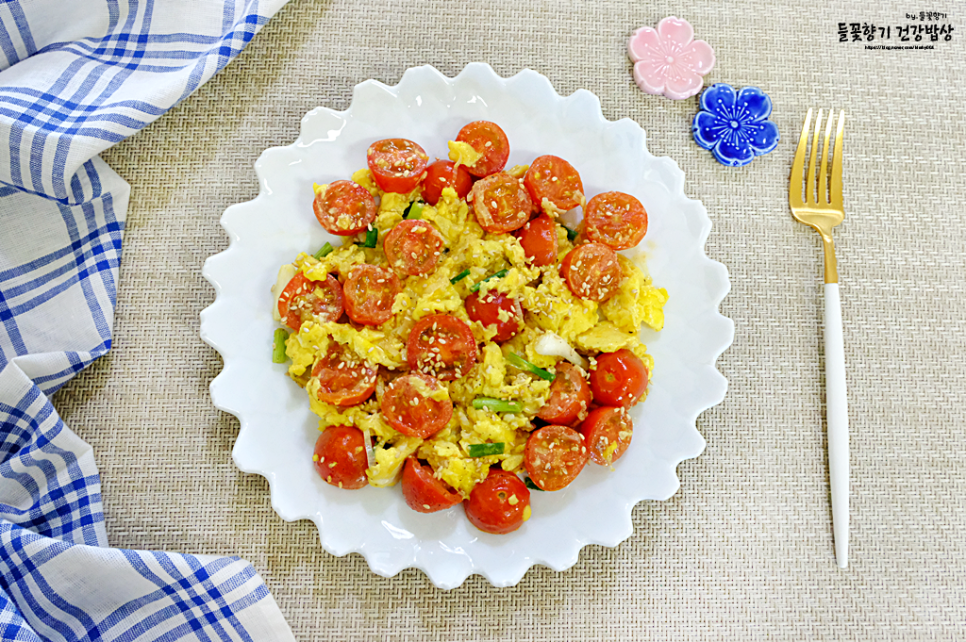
(822, 210)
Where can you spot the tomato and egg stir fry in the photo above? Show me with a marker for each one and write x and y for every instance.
(463, 335)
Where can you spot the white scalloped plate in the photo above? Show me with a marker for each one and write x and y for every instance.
(277, 429)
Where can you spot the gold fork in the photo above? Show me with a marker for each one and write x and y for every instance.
(822, 210)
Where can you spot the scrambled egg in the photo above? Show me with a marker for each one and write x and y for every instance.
(549, 306)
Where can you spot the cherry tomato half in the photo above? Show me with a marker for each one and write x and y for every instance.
(488, 139)
(369, 294)
(569, 396)
(499, 504)
(397, 164)
(497, 309)
(554, 179)
(501, 203)
(340, 457)
(616, 219)
(592, 271)
(408, 407)
(619, 379)
(345, 208)
(344, 380)
(413, 247)
(539, 240)
(443, 346)
(554, 456)
(306, 300)
(443, 174)
(423, 492)
(607, 432)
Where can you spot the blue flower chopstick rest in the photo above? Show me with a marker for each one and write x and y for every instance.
(734, 125)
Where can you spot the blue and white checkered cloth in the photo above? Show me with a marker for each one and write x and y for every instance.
(76, 76)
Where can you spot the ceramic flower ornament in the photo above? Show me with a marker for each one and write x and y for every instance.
(735, 125)
(668, 60)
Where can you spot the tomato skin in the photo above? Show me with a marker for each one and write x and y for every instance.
(620, 379)
(443, 174)
(495, 154)
(555, 179)
(451, 353)
(501, 203)
(343, 381)
(486, 310)
(367, 301)
(424, 419)
(300, 301)
(539, 240)
(345, 208)
(489, 507)
(396, 164)
(413, 237)
(554, 456)
(340, 457)
(570, 395)
(423, 492)
(592, 272)
(604, 427)
(615, 219)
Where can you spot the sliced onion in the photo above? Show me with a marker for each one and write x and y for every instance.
(367, 441)
(553, 345)
(285, 274)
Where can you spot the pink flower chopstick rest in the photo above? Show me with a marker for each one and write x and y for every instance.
(668, 60)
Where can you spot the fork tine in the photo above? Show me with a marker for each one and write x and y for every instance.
(812, 167)
(822, 196)
(798, 166)
(835, 191)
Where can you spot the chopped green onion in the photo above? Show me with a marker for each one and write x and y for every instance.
(278, 346)
(325, 249)
(413, 211)
(497, 405)
(571, 234)
(482, 450)
(523, 364)
(459, 277)
(498, 275)
(372, 237)
(529, 484)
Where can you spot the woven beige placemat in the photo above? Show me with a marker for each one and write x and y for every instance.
(744, 550)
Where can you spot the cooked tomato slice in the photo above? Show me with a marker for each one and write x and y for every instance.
(345, 208)
(443, 174)
(397, 164)
(340, 457)
(554, 456)
(501, 203)
(408, 406)
(554, 179)
(306, 300)
(488, 139)
(423, 492)
(539, 240)
(369, 294)
(616, 219)
(497, 309)
(592, 271)
(344, 379)
(413, 247)
(619, 379)
(443, 346)
(499, 504)
(569, 396)
(607, 432)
